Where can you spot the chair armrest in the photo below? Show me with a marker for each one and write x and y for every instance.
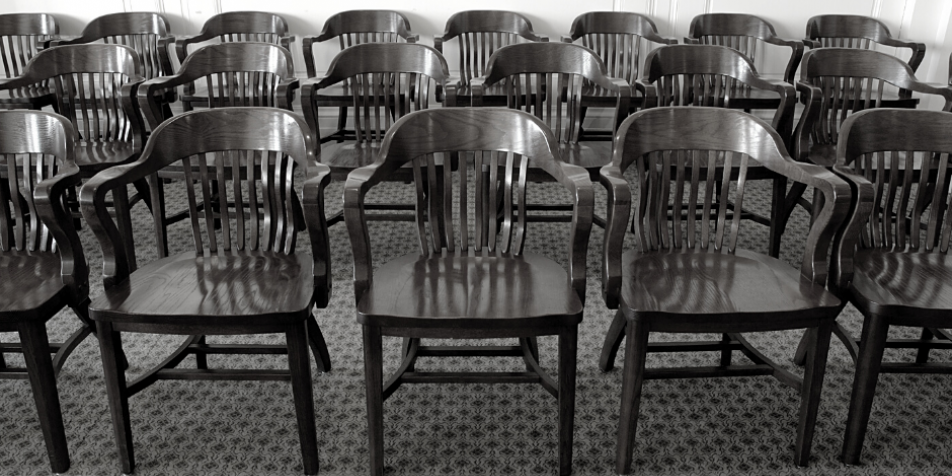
(650, 93)
(619, 209)
(285, 93)
(309, 107)
(318, 177)
(580, 185)
(181, 47)
(812, 44)
(918, 50)
(809, 116)
(691, 41)
(847, 239)
(413, 39)
(624, 101)
(149, 95)
(450, 92)
(307, 45)
(164, 57)
(48, 200)
(355, 188)
(438, 43)
(567, 39)
(542, 38)
(795, 56)
(477, 87)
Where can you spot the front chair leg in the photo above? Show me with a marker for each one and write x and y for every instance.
(810, 392)
(318, 346)
(373, 372)
(36, 354)
(300, 366)
(568, 354)
(616, 333)
(110, 346)
(636, 352)
(872, 346)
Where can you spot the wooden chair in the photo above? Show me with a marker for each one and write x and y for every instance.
(94, 87)
(686, 274)
(549, 81)
(42, 268)
(387, 81)
(484, 285)
(242, 278)
(747, 34)
(892, 262)
(145, 32)
(236, 74)
(354, 27)
(478, 34)
(619, 39)
(22, 36)
(230, 27)
(837, 83)
(857, 31)
(717, 76)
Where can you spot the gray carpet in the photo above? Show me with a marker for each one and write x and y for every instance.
(700, 426)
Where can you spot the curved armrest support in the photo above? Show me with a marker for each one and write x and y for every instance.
(789, 74)
(691, 41)
(451, 92)
(624, 101)
(307, 45)
(812, 44)
(48, 200)
(801, 135)
(477, 87)
(309, 106)
(285, 92)
(130, 107)
(848, 237)
(318, 177)
(650, 93)
(577, 179)
(619, 209)
(164, 58)
(438, 43)
(358, 182)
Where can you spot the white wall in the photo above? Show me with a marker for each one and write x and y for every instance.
(925, 21)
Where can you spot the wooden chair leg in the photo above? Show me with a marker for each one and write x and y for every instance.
(110, 345)
(776, 211)
(201, 360)
(872, 345)
(568, 353)
(300, 365)
(373, 375)
(811, 390)
(922, 356)
(726, 355)
(616, 333)
(636, 352)
(36, 354)
(318, 346)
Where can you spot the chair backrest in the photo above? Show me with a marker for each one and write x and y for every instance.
(744, 33)
(356, 27)
(549, 80)
(21, 37)
(858, 31)
(502, 140)
(94, 86)
(234, 74)
(386, 80)
(230, 27)
(908, 207)
(617, 38)
(247, 154)
(145, 32)
(711, 76)
(479, 33)
(843, 81)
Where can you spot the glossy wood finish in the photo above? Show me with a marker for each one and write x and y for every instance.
(478, 34)
(230, 27)
(469, 283)
(857, 31)
(243, 276)
(892, 260)
(718, 76)
(686, 274)
(42, 268)
(744, 33)
(94, 87)
(22, 36)
(352, 28)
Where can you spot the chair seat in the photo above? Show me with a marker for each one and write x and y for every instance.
(91, 157)
(31, 286)
(237, 288)
(469, 291)
(913, 287)
(708, 291)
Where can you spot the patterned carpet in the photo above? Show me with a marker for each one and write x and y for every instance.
(700, 426)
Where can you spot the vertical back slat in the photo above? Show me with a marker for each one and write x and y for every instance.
(420, 205)
(939, 197)
(252, 174)
(192, 203)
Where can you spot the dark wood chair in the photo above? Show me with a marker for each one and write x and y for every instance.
(620, 39)
(478, 34)
(42, 268)
(755, 38)
(717, 76)
(892, 262)
(482, 286)
(549, 81)
(243, 277)
(857, 31)
(686, 274)
(837, 83)
(236, 74)
(229, 27)
(354, 27)
(22, 36)
(95, 86)
(387, 81)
